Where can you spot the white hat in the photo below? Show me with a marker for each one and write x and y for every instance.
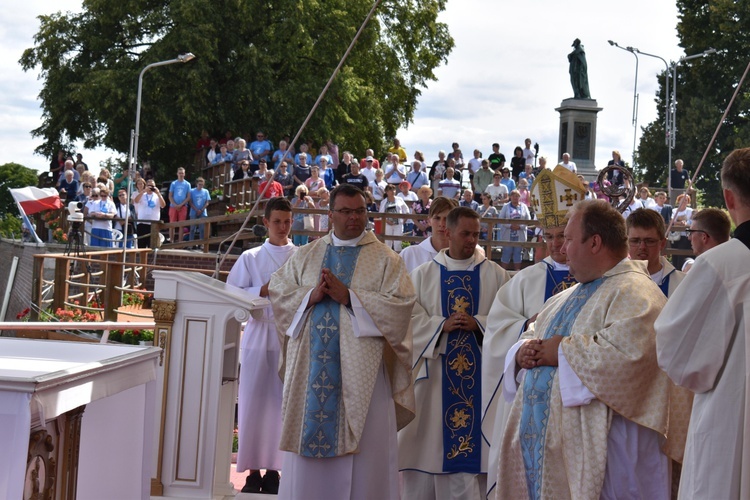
(553, 193)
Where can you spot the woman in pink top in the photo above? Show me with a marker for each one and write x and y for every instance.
(523, 189)
(315, 182)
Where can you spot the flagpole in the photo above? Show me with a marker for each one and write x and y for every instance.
(27, 222)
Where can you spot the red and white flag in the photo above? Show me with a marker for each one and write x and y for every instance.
(33, 199)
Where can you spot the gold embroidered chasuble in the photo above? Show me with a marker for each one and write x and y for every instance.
(382, 285)
(611, 348)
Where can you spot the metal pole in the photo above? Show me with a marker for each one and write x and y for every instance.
(667, 121)
(635, 94)
(133, 159)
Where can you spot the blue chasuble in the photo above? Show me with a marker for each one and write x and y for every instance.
(557, 281)
(462, 366)
(537, 386)
(320, 430)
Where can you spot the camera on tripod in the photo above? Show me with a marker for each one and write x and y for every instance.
(75, 218)
(74, 211)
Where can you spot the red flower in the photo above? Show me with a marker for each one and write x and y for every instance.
(23, 313)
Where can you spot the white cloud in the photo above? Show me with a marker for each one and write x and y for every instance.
(509, 71)
(506, 75)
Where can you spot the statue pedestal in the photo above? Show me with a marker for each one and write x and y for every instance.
(578, 134)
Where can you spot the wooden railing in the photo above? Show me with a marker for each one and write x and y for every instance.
(96, 281)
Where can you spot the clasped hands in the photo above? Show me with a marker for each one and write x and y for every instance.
(331, 286)
(538, 352)
(460, 321)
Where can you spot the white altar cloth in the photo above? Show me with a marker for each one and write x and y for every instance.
(42, 379)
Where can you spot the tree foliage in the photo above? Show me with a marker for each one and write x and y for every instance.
(259, 65)
(13, 175)
(704, 89)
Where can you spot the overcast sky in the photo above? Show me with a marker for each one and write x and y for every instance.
(505, 77)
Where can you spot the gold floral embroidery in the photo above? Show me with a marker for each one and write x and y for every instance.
(460, 364)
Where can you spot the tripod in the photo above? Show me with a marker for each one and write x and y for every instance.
(74, 244)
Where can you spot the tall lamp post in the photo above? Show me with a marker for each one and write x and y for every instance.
(635, 93)
(667, 120)
(133, 157)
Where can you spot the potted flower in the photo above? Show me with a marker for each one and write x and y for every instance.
(217, 194)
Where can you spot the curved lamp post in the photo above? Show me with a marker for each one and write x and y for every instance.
(182, 58)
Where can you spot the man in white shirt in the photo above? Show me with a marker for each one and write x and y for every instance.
(369, 170)
(497, 191)
(528, 153)
(449, 187)
(394, 171)
(567, 163)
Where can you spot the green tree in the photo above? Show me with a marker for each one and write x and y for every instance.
(10, 226)
(704, 89)
(13, 175)
(259, 65)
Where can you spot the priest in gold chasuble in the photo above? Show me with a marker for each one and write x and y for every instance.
(518, 302)
(342, 306)
(590, 406)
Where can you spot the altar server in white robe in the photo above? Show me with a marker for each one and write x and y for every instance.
(591, 407)
(260, 389)
(442, 453)
(702, 344)
(342, 306)
(416, 255)
(647, 240)
(518, 302)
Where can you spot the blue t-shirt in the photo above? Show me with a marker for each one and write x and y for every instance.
(179, 190)
(199, 197)
(327, 157)
(279, 155)
(257, 147)
(509, 183)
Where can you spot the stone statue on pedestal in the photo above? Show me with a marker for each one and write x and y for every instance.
(579, 77)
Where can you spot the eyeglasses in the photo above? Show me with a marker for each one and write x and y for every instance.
(87, 185)
(649, 242)
(348, 213)
(691, 231)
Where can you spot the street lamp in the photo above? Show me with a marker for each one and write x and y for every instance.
(635, 93)
(667, 121)
(182, 58)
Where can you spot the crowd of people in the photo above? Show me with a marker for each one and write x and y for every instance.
(435, 374)
(306, 177)
(486, 185)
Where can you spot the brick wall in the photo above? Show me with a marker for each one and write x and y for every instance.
(20, 297)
